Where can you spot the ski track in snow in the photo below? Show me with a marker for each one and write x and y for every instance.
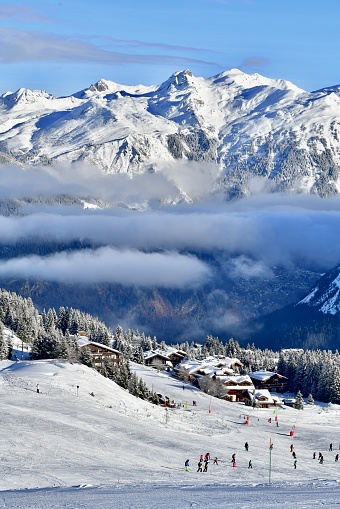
(60, 449)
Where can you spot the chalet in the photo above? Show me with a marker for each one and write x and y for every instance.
(175, 355)
(237, 387)
(261, 399)
(99, 352)
(269, 380)
(157, 359)
(211, 366)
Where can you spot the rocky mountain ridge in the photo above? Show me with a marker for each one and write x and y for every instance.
(246, 125)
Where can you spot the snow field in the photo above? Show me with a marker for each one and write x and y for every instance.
(64, 447)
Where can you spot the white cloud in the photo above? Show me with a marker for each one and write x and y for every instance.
(107, 265)
(24, 46)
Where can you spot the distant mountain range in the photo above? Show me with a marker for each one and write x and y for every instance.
(248, 125)
(245, 128)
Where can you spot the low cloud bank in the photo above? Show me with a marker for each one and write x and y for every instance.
(254, 234)
(107, 265)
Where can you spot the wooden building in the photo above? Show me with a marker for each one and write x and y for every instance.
(269, 380)
(99, 352)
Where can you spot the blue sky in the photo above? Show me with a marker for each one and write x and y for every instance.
(63, 46)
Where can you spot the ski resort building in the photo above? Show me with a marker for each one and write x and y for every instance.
(99, 352)
(261, 399)
(269, 380)
(164, 358)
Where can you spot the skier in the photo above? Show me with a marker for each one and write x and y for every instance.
(216, 461)
(246, 446)
(270, 419)
(38, 389)
(186, 464)
(314, 455)
(207, 456)
(294, 455)
(295, 462)
(206, 463)
(250, 465)
(337, 457)
(292, 448)
(321, 460)
(200, 463)
(320, 456)
(331, 447)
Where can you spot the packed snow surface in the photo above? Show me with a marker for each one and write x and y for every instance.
(83, 442)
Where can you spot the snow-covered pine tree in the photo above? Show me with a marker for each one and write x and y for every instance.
(85, 357)
(310, 399)
(299, 401)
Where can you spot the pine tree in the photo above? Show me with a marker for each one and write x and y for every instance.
(310, 399)
(335, 386)
(299, 401)
(85, 357)
(4, 350)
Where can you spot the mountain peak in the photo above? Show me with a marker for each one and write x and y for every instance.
(25, 96)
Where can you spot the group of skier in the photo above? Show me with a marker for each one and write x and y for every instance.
(204, 460)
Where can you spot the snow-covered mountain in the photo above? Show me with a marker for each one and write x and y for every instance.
(325, 294)
(248, 125)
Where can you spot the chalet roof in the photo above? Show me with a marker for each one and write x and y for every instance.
(171, 351)
(263, 395)
(263, 376)
(155, 353)
(238, 379)
(211, 365)
(84, 342)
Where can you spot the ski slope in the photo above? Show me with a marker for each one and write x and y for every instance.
(83, 442)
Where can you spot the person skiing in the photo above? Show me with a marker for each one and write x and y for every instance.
(216, 461)
(321, 460)
(270, 419)
(186, 464)
(38, 388)
(320, 456)
(207, 456)
(295, 462)
(200, 463)
(250, 465)
(337, 457)
(291, 448)
(331, 447)
(314, 455)
(206, 463)
(294, 455)
(246, 446)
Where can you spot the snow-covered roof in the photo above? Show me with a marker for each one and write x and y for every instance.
(263, 393)
(210, 366)
(264, 375)
(85, 342)
(238, 379)
(155, 353)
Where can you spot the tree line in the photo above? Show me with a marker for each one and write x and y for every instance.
(51, 334)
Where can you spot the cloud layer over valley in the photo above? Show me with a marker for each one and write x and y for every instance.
(150, 248)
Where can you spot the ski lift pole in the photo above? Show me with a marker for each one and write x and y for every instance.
(270, 460)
